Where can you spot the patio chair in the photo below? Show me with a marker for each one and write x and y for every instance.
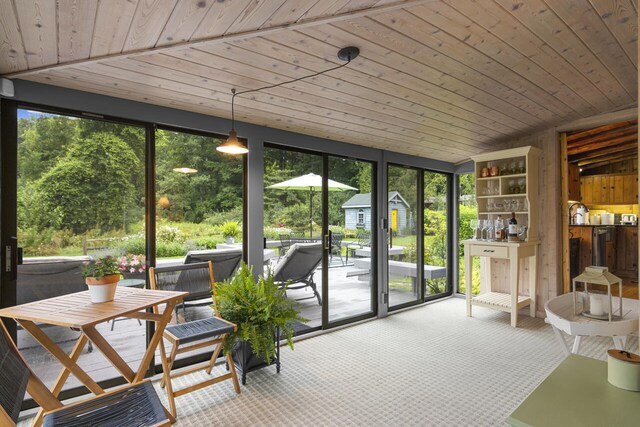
(189, 336)
(134, 404)
(285, 244)
(298, 237)
(298, 267)
(224, 262)
(363, 240)
(336, 247)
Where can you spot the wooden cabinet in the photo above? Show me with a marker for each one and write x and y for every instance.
(574, 183)
(609, 189)
(627, 252)
(585, 235)
(513, 189)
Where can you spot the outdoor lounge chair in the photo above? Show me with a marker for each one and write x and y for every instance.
(134, 404)
(336, 246)
(224, 262)
(189, 336)
(363, 240)
(285, 244)
(298, 267)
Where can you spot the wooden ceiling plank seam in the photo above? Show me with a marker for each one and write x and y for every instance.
(113, 21)
(291, 97)
(147, 24)
(594, 146)
(218, 39)
(289, 13)
(217, 21)
(588, 25)
(65, 81)
(255, 15)
(536, 52)
(628, 144)
(423, 54)
(541, 20)
(356, 5)
(398, 94)
(621, 18)
(76, 20)
(460, 27)
(403, 63)
(324, 8)
(40, 41)
(141, 75)
(184, 20)
(12, 48)
(370, 103)
(600, 129)
(419, 29)
(411, 82)
(406, 91)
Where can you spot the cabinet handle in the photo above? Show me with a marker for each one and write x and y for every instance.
(489, 250)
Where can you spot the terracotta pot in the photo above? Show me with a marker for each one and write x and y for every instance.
(102, 289)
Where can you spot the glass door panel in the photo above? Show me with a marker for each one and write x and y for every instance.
(436, 233)
(293, 214)
(351, 222)
(467, 211)
(198, 208)
(402, 250)
(80, 196)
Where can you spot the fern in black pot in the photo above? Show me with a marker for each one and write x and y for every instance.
(263, 314)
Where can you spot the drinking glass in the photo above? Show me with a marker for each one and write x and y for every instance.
(521, 168)
(474, 228)
(485, 229)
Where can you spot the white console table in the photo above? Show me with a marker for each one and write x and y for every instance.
(514, 252)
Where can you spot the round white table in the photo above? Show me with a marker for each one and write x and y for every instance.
(560, 315)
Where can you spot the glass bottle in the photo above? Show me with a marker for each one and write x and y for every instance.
(513, 228)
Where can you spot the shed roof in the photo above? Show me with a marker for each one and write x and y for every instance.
(364, 200)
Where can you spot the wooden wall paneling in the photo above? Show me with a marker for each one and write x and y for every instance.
(405, 56)
(618, 189)
(150, 18)
(573, 182)
(11, 46)
(567, 192)
(584, 21)
(444, 43)
(255, 15)
(113, 20)
(284, 99)
(540, 19)
(361, 78)
(630, 188)
(621, 18)
(479, 37)
(76, 20)
(183, 22)
(504, 25)
(376, 62)
(39, 30)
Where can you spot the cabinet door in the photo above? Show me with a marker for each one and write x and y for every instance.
(627, 252)
(601, 189)
(586, 189)
(616, 195)
(630, 189)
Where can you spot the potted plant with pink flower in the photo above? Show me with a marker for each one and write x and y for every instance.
(103, 274)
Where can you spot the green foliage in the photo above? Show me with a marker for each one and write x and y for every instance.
(273, 233)
(219, 218)
(257, 308)
(170, 249)
(100, 267)
(230, 229)
(206, 242)
(168, 234)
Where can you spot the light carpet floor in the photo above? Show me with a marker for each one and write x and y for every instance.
(430, 366)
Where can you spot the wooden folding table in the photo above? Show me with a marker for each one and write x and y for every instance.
(77, 311)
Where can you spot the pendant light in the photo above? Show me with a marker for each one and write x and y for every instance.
(232, 145)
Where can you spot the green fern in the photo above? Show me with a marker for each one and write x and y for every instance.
(258, 308)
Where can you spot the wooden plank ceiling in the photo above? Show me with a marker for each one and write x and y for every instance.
(440, 79)
(604, 144)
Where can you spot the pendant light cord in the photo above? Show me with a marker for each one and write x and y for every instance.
(236, 93)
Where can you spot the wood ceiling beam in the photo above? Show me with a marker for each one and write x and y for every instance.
(604, 137)
(607, 143)
(590, 132)
(592, 163)
(604, 152)
(226, 38)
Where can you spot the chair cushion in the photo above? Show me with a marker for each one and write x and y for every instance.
(136, 405)
(200, 329)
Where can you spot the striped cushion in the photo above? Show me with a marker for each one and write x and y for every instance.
(200, 329)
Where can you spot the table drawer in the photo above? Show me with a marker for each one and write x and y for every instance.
(489, 251)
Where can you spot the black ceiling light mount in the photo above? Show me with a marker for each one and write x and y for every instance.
(232, 145)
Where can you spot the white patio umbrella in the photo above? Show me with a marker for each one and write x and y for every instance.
(310, 182)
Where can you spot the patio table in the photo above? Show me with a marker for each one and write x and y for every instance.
(77, 311)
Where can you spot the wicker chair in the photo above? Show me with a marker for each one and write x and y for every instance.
(192, 335)
(136, 404)
(298, 267)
